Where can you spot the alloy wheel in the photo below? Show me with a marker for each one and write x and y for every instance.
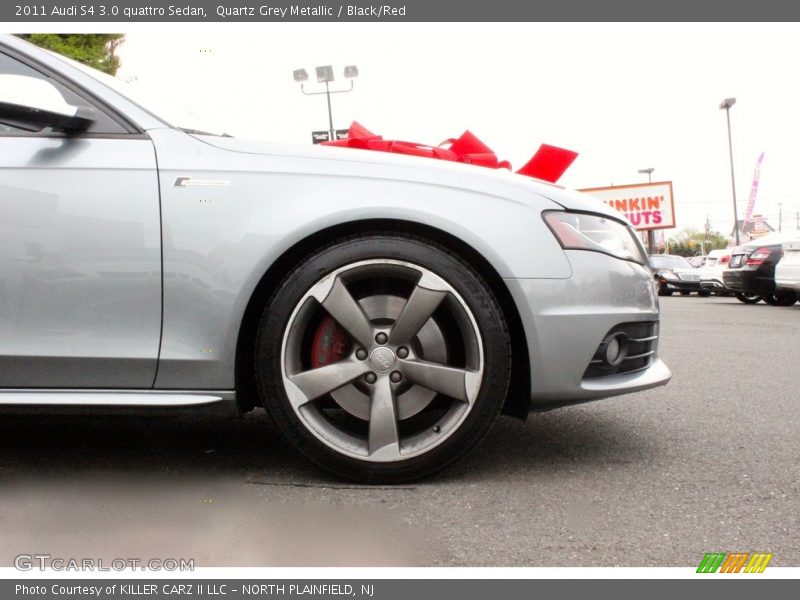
(400, 371)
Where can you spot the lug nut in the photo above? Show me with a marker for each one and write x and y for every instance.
(370, 378)
(396, 376)
(361, 354)
(381, 338)
(436, 429)
(402, 352)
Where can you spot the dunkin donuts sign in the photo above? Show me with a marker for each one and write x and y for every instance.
(647, 206)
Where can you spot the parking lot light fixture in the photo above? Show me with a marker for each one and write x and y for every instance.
(325, 75)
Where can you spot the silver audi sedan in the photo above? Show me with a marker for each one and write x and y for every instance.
(382, 309)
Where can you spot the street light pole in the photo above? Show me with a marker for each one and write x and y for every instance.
(325, 75)
(651, 235)
(330, 112)
(726, 105)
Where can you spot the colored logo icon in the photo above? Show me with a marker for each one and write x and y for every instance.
(734, 562)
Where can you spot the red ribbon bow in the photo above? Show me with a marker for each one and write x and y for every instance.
(549, 162)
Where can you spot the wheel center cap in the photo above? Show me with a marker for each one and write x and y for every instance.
(382, 360)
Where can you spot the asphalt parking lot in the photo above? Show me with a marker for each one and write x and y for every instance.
(708, 463)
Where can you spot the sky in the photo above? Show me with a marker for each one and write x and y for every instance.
(624, 96)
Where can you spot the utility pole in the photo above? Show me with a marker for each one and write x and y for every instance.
(651, 235)
(780, 217)
(726, 106)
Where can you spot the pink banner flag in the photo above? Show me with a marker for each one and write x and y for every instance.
(748, 215)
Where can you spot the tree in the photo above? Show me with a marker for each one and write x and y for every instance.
(98, 50)
(690, 242)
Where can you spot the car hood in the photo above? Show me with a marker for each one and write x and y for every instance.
(471, 177)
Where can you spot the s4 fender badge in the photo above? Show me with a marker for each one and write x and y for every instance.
(191, 181)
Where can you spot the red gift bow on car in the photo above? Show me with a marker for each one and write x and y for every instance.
(549, 163)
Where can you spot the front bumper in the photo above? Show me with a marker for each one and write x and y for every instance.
(566, 320)
(679, 285)
(712, 284)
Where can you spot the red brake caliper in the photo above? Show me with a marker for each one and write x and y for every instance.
(329, 344)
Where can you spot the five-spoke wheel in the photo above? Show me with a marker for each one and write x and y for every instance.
(388, 365)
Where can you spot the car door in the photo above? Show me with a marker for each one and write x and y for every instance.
(80, 242)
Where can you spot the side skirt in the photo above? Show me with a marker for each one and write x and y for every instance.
(146, 402)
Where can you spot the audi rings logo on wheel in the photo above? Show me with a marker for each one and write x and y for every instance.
(382, 359)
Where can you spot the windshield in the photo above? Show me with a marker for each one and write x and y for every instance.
(669, 262)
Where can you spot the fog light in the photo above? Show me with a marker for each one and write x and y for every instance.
(616, 349)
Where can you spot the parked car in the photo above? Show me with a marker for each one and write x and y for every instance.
(675, 274)
(711, 273)
(787, 271)
(751, 273)
(383, 309)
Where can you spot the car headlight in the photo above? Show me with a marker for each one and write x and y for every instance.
(669, 275)
(586, 231)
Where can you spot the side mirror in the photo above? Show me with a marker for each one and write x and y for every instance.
(33, 104)
(33, 119)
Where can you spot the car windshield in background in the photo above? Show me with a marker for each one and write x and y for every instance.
(669, 262)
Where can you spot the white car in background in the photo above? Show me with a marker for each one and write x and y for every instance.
(787, 271)
(711, 272)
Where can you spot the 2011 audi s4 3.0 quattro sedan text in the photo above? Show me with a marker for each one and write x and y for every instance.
(382, 309)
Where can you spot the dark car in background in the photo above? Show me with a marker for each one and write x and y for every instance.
(751, 273)
(675, 274)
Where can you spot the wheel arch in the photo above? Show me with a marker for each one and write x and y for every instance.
(518, 400)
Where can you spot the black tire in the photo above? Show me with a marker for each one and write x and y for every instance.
(704, 293)
(475, 297)
(662, 291)
(748, 298)
(781, 298)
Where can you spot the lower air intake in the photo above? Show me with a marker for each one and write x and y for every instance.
(627, 348)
